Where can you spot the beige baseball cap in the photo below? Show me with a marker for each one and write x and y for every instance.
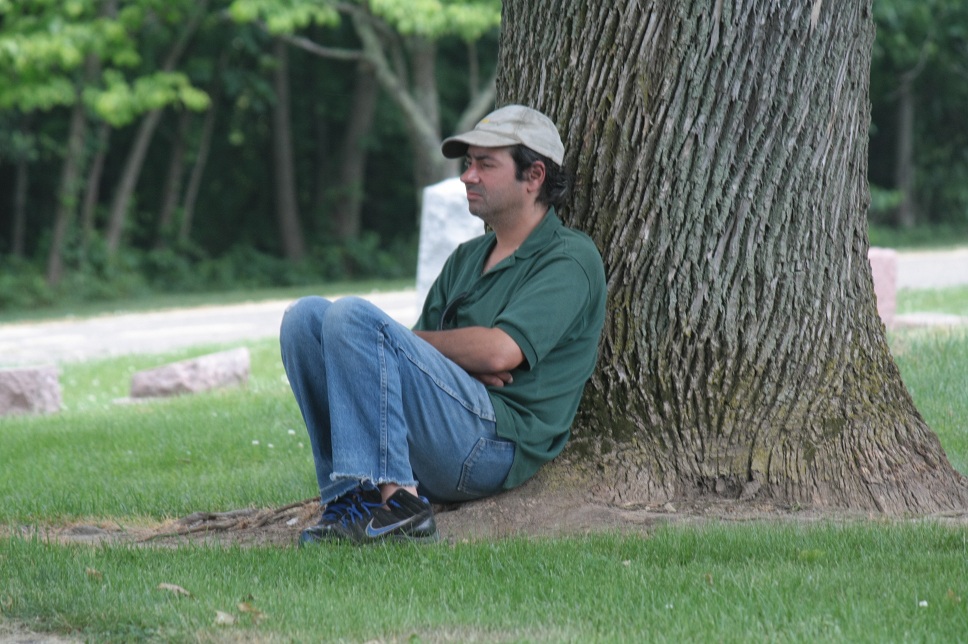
(510, 125)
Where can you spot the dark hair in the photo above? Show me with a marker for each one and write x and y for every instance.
(556, 183)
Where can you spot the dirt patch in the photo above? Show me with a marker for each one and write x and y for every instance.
(550, 505)
(18, 633)
(508, 515)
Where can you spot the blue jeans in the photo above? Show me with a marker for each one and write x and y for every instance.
(383, 405)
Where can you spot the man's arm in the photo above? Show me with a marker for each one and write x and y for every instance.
(488, 354)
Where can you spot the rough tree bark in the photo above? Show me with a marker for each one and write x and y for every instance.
(720, 151)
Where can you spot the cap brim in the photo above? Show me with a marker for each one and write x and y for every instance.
(456, 146)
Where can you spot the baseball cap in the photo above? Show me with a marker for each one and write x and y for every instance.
(510, 125)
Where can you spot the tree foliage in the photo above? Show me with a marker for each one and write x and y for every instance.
(434, 63)
(44, 47)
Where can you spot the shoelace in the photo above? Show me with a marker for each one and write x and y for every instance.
(349, 507)
(339, 506)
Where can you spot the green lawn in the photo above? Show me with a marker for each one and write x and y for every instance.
(871, 582)
(952, 300)
(98, 460)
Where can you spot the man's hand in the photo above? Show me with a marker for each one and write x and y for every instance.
(487, 354)
(495, 379)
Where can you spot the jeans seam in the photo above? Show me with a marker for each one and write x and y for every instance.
(384, 401)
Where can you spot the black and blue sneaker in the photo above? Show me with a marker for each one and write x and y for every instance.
(360, 517)
(357, 502)
(404, 517)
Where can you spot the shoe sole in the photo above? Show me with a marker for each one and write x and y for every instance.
(390, 538)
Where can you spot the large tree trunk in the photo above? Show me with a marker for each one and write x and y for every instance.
(287, 209)
(720, 154)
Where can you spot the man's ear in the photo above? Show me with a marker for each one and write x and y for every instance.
(536, 174)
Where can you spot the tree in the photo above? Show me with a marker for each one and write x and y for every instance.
(287, 210)
(720, 151)
(919, 93)
(398, 42)
(195, 13)
(74, 55)
(347, 212)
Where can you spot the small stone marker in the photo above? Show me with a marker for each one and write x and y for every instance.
(884, 269)
(30, 390)
(203, 373)
(445, 222)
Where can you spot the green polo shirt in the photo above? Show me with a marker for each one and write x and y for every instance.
(549, 296)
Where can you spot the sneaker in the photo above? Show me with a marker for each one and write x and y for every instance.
(405, 517)
(358, 502)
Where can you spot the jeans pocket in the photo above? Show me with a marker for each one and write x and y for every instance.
(486, 467)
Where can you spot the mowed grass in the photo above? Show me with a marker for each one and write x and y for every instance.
(130, 463)
(101, 458)
(761, 582)
(952, 300)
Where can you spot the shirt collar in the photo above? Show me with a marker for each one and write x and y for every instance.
(541, 236)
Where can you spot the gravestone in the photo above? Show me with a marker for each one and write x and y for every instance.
(203, 373)
(30, 390)
(445, 222)
(884, 269)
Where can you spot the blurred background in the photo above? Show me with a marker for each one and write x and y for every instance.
(179, 146)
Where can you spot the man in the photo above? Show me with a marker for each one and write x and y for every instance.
(483, 390)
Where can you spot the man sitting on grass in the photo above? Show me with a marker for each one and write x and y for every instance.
(483, 390)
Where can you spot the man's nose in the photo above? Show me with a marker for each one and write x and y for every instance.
(469, 175)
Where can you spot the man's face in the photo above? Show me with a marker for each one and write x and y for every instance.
(493, 191)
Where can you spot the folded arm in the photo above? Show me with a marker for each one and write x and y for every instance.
(488, 354)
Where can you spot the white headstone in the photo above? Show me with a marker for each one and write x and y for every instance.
(444, 223)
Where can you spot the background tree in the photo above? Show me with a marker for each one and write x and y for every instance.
(398, 40)
(364, 141)
(74, 56)
(919, 91)
(721, 156)
(184, 21)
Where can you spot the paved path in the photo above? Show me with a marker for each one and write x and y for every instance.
(932, 269)
(159, 331)
(57, 341)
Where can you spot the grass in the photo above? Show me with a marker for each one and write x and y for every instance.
(872, 581)
(952, 300)
(217, 451)
(828, 582)
(924, 237)
(934, 366)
